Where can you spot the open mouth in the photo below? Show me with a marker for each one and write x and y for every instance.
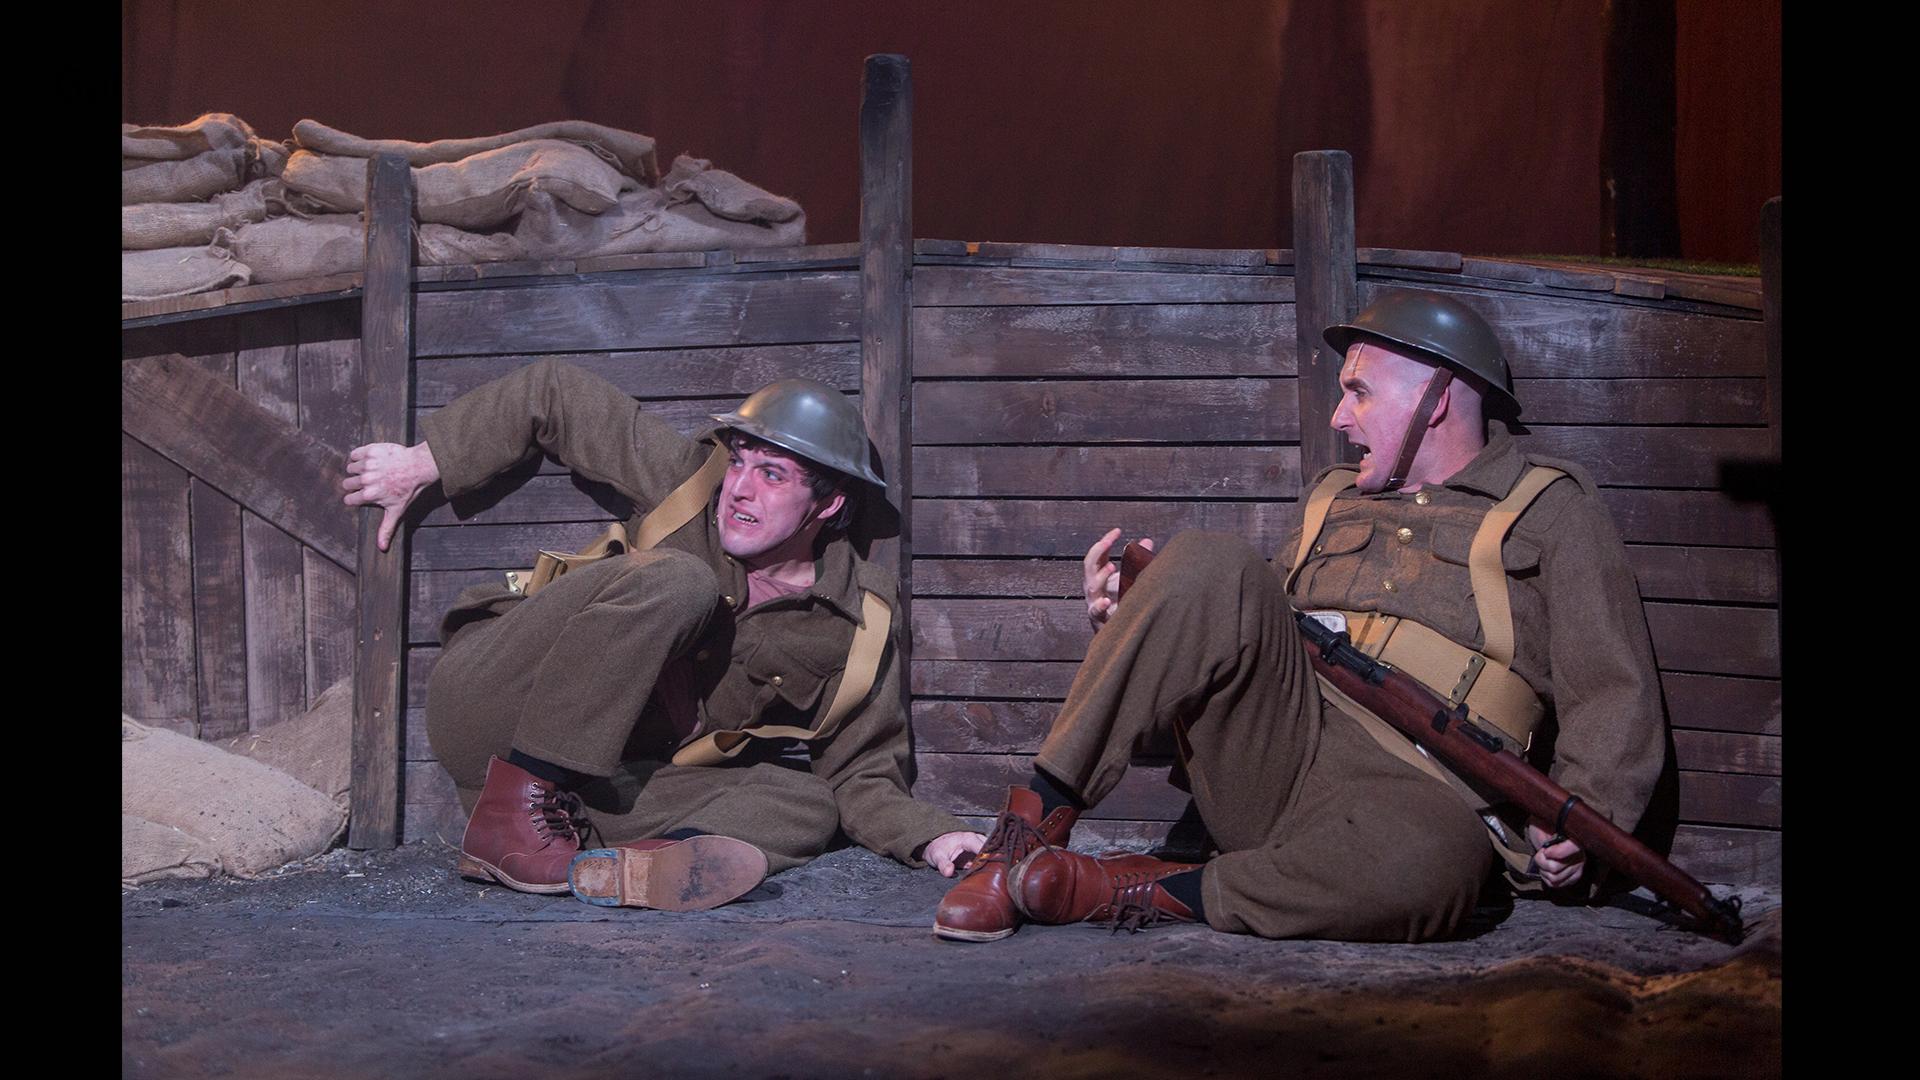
(745, 518)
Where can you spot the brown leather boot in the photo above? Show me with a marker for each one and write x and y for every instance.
(978, 908)
(1053, 886)
(694, 874)
(523, 831)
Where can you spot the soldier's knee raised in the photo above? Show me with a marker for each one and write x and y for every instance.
(669, 577)
(1201, 556)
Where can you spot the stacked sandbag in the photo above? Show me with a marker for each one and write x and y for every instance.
(564, 190)
(178, 187)
(190, 809)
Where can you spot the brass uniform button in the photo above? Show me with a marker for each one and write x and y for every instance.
(729, 600)
(1422, 498)
(1389, 586)
(778, 681)
(1318, 548)
(1405, 535)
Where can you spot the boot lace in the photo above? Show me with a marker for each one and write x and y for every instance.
(1133, 908)
(1012, 838)
(563, 815)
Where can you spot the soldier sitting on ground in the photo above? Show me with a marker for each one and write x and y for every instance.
(722, 696)
(1483, 570)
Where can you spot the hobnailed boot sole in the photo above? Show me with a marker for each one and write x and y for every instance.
(695, 874)
(475, 870)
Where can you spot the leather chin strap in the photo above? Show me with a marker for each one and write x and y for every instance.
(1417, 427)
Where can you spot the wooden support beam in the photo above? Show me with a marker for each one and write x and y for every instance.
(1326, 291)
(386, 349)
(260, 461)
(886, 298)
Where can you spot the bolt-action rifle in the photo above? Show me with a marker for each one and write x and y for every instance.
(1456, 742)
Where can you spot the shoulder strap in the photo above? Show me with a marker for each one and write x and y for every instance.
(857, 678)
(1489, 577)
(683, 503)
(1315, 516)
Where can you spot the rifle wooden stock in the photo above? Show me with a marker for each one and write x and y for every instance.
(1453, 740)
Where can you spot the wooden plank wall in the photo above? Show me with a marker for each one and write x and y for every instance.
(230, 623)
(1053, 402)
(686, 343)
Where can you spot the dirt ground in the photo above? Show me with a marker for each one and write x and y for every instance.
(388, 964)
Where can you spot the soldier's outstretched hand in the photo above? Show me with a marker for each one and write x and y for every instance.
(944, 852)
(389, 476)
(1100, 579)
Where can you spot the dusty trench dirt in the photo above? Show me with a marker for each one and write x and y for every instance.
(388, 964)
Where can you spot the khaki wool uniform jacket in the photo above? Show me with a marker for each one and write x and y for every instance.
(1580, 634)
(779, 663)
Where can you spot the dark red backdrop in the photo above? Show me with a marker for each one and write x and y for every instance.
(1475, 125)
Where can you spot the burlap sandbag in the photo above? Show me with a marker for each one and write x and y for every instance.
(156, 225)
(269, 158)
(315, 748)
(724, 193)
(477, 193)
(209, 131)
(252, 817)
(165, 273)
(154, 852)
(644, 221)
(444, 245)
(632, 152)
(293, 248)
(184, 181)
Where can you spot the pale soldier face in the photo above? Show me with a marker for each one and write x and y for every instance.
(765, 501)
(1380, 391)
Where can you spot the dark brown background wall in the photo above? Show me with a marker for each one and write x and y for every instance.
(1476, 125)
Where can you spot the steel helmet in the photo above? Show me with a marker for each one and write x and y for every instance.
(1434, 328)
(811, 419)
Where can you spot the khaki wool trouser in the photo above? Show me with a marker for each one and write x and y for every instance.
(566, 676)
(1322, 833)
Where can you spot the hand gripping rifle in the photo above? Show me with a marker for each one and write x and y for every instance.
(1453, 740)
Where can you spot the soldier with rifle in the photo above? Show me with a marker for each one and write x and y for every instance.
(1488, 573)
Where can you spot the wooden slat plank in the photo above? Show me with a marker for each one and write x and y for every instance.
(1112, 340)
(1723, 856)
(431, 810)
(331, 601)
(157, 677)
(977, 784)
(1054, 528)
(1715, 640)
(333, 394)
(518, 499)
(267, 363)
(1559, 277)
(886, 303)
(746, 309)
(1056, 578)
(1161, 410)
(1546, 337)
(1722, 703)
(1207, 472)
(386, 351)
(431, 593)
(1443, 261)
(977, 679)
(690, 416)
(982, 727)
(657, 373)
(1643, 401)
(414, 745)
(1720, 751)
(1708, 518)
(1736, 575)
(1709, 798)
(844, 252)
(1325, 269)
(507, 547)
(420, 661)
(977, 286)
(219, 613)
(276, 624)
(1663, 457)
(203, 424)
(240, 298)
(1093, 253)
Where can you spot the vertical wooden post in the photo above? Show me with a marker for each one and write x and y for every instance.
(386, 352)
(1770, 310)
(1326, 291)
(886, 292)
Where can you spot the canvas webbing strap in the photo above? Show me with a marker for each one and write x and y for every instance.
(1512, 850)
(1489, 577)
(862, 667)
(1495, 697)
(681, 505)
(1315, 516)
(684, 503)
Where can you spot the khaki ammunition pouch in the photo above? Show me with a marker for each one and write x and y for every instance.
(1498, 701)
